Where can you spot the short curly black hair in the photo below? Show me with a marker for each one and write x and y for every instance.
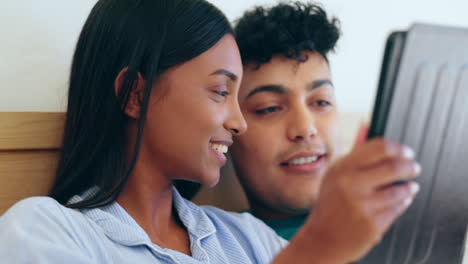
(287, 29)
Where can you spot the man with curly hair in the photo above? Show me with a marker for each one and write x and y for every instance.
(287, 98)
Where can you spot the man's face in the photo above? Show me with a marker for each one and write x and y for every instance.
(290, 109)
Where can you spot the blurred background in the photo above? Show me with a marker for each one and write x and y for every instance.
(38, 38)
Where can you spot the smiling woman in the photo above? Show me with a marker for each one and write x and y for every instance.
(198, 107)
(114, 87)
(152, 100)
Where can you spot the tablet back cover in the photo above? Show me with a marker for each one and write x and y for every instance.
(429, 112)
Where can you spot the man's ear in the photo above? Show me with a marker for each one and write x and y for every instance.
(135, 98)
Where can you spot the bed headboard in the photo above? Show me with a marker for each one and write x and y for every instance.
(29, 144)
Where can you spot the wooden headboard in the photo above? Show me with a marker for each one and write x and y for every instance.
(29, 143)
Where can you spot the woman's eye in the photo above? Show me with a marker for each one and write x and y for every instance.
(222, 93)
(267, 110)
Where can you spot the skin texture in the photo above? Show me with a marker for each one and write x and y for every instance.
(297, 118)
(357, 203)
(187, 112)
(192, 105)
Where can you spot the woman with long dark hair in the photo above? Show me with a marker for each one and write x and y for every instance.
(151, 104)
(152, 109)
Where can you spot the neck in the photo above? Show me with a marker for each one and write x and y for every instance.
(149, 201)
(148, 198)
(267, 213)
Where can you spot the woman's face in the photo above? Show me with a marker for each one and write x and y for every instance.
(193, 113)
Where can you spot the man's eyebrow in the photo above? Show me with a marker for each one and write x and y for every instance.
(280, 89)
(227, 73)
(271, 88)
(319, 83)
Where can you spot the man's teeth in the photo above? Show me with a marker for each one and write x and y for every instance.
(219, 147)
(300, 161)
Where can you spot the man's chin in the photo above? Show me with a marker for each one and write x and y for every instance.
(296, 212)
(296, 208)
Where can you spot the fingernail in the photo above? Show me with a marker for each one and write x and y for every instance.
(414, 188)
(407, 202)
(417, 168)
(408, 152)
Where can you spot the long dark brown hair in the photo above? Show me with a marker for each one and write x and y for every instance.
(147, 37)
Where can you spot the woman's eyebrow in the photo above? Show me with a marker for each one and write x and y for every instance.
(227, 73)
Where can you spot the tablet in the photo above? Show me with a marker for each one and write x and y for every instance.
(422, 102)
(391, 61)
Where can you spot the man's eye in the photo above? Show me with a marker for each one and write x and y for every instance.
(267, 110)
(322, 103)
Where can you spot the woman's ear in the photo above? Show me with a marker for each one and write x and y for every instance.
(135, 97)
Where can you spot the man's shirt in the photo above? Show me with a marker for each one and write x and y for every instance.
(287, 228)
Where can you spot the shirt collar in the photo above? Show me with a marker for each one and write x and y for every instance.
(119, 226)
(193, 217)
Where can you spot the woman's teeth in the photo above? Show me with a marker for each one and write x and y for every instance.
(219, 147)
(300, 161)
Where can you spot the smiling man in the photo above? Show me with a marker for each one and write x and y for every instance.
(287, 98)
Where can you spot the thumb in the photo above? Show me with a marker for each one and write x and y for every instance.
(361, 134)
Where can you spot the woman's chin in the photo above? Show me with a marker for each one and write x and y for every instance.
(210, 180)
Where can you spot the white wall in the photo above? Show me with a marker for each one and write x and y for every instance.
(38, 38)
(37, 42)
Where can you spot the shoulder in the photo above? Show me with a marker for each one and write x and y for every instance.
(30, 208)
(42, 226)
(36, 202)
(34, 210)
(35, 217)
(245, 219)
(248, 225)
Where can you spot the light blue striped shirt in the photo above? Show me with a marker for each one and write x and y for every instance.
(40, 230)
